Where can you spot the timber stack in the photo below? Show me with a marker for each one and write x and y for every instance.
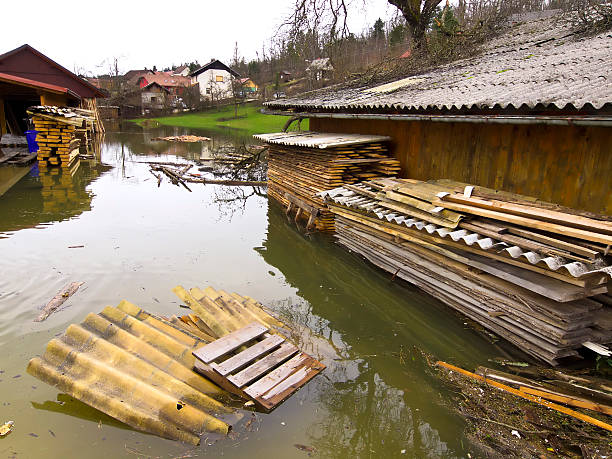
(534, 273)
(303, 164)
(58, 135)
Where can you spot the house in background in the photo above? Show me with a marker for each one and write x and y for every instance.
(155, 97)
(320, 69)
(28, 77)
(215, 80)
(175, 84)
(131, 77)
(183, 70)
(285, 75)
(247, 87)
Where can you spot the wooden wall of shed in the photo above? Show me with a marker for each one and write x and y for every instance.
(568, 165)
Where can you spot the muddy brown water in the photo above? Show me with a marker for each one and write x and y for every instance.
(375, 399)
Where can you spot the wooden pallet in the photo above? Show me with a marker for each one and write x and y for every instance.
(257, 365)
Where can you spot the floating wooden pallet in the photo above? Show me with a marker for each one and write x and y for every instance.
(257, 365)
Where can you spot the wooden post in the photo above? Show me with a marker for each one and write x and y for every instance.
(2, 119)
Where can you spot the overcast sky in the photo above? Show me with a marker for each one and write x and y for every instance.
(86, 36)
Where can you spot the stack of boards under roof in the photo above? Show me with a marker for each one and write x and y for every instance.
(534, 273)
(139, 368)
(302, 164)
(57, 134)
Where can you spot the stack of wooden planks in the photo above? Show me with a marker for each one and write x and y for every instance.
(532, 272)
(302, 164)
(57, 130)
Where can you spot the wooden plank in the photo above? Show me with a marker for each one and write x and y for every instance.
(567, 400)
(229, 342)
(403, 232)
(522, 242)
(547, 215)
(273, 378)
(529, 397)
(270, 361)
(529, 222)
(288, 386)
(563, 245)
(245, 357)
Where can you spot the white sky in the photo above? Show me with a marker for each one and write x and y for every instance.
(85, 36)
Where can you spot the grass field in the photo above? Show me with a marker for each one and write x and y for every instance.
(216, 120)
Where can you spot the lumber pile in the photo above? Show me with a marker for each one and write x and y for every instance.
(58, 129)
(533, 273)
(302, 164)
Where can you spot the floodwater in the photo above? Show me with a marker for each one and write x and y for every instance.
(375, 399)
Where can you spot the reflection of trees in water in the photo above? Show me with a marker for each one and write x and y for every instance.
(378, 394)
(365, 417)
(232, 200)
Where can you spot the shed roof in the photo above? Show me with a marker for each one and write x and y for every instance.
(216, 65)
(25, 62)
(319, 140)
(36, 85)
(539, 63)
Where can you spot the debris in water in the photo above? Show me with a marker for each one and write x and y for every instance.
(505, 362)
(52, 433)
(76, 246)
(6, 428)
(58, 300)
(183, 138)
(308, 449)
(32, 434)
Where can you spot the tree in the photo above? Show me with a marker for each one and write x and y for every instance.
(378, 31)
(330, 16)
(418, 15)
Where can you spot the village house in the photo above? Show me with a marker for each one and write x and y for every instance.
(175, 84)
(183, 70)
(320, 69)
(155, 97)
(247, 87)
(285, 75)
(28, 77)
(531, 115)
(215, 80)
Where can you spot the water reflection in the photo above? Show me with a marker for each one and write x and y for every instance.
(44, 197)
(380, 397)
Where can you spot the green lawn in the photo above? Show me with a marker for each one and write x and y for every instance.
(254, 122)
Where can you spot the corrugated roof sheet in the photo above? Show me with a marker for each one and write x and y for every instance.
(138, 369)
(539, 63)
(579, 270)
(319, 140)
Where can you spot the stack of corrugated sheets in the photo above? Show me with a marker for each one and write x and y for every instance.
(302, 164)
(534, 273)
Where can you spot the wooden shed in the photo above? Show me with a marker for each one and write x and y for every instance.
(531, 114)
(28, 77)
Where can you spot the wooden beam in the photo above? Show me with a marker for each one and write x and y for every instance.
(529, 222)
(2, 119)
(531, 398)
(547, 215)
